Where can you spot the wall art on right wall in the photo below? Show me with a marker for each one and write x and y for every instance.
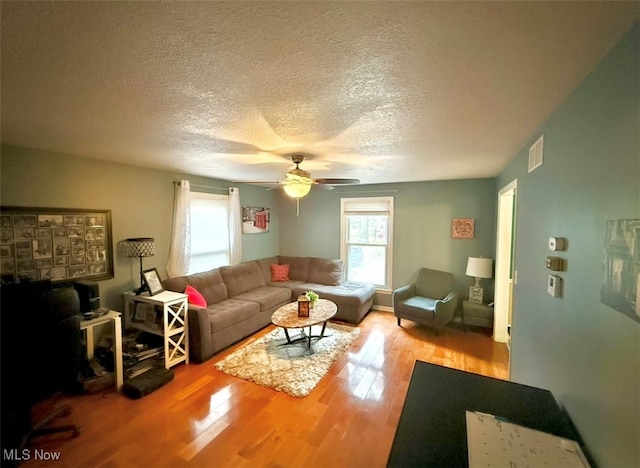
(621, 277)
(463, 228)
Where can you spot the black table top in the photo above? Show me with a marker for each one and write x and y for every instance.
(432, 428)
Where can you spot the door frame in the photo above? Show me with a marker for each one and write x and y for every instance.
(505, 262)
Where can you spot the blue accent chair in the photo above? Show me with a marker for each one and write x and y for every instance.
(430, 301)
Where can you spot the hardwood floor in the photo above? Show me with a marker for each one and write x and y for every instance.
(207, 418)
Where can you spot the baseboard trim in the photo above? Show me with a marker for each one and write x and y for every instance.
(382, 308)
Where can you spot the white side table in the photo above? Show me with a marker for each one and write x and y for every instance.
(88, 325)
(174, 328)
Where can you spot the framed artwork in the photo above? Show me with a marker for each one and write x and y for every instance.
(255, 220)
(620, 288)
(463, 228)
(57, 244)
(152, 282)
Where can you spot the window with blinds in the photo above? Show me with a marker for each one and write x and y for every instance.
(366, 239)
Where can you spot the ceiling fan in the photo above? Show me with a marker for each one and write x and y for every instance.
(297, 182)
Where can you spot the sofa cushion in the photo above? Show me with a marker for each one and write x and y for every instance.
(265, 266)
(287, 284)
(268, 297)
(279, 273)
(325, 271)
(418, 304)
(298, 266)
(177, 284)
(242, 277)
(194, 296)
(230, 312)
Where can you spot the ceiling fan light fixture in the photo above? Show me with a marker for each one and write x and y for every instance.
(296, 189)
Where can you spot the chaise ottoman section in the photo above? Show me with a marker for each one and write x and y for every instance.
(354, 300)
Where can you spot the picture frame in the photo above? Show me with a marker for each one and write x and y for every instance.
(255, 219)
(152, 282)
(151, 318)
(304, 304)
(142, 309)
(57, 244)
(476, 295)
(463, 228)
(620, 287)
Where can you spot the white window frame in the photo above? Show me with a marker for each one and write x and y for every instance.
(208, 196)
(368, 206)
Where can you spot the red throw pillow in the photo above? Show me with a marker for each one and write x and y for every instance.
(195, 297)
(279, 273)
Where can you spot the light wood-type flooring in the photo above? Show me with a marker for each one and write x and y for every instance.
(205, 418)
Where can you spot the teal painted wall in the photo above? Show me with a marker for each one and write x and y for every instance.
(140, 200)
(423, 212)
(586, 353)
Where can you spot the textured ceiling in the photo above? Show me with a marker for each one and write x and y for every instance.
(380, 91)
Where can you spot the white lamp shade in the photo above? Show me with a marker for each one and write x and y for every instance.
(480, 267)
(296, 189)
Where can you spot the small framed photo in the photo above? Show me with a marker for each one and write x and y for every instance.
(303, 306)
(152, 281)
(475, 295)
(142, 309)
(151, 318)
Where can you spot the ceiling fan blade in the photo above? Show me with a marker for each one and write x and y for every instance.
(337, 181)
(268, 183)
(323, 187)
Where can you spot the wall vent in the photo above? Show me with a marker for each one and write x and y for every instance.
(535, 154)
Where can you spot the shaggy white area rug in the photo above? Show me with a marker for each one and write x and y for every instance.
(292, 369)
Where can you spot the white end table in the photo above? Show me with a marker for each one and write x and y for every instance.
(172, 307)
(88, 325)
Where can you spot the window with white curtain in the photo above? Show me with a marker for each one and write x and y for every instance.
(209, 231)
(366, 239)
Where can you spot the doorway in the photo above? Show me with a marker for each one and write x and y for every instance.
(505, 264)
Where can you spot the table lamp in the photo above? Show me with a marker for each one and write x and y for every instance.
(140, 247)
(478, 267)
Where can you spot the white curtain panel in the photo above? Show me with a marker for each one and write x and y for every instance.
(235, 226)
(180, 250)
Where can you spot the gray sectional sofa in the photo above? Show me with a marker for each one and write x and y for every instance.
(241, 298)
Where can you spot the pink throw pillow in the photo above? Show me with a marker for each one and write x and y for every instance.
(195, 297)
(279, 273)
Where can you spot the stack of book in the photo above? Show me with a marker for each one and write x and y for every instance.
(142, 352)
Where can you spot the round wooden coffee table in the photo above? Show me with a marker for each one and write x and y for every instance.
(287, 318)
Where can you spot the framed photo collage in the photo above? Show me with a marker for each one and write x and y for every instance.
(56, 244)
